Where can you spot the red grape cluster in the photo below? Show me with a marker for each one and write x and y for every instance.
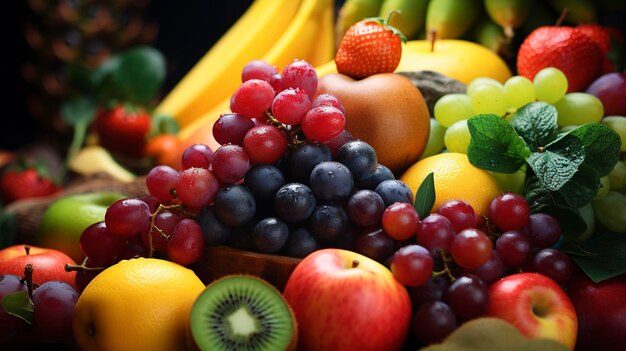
(52, 305)
(454, 256)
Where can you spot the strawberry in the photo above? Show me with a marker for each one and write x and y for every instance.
(123, 129)
(562, 47)
(602, 36)
(368, 47)
(20, 183)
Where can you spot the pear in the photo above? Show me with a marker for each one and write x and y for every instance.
(94, 159)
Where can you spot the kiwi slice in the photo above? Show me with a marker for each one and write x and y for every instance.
(242, 312)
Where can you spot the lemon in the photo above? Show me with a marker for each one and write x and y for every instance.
(137, 304)
(455, 178)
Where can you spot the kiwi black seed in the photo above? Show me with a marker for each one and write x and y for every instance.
(242, 312)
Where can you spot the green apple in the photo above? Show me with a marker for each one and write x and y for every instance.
(65, 219)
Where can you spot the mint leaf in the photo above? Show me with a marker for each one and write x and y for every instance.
(425, 196)
(558, 162)
(20, 305)
(604, 256)
(602, 146)
(494, 144)
(536, 122)
(582, 187)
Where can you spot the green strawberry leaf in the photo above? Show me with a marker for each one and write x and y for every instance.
(425, 196)
(601, 257)
(494, 144)
(557, 163)
(536, 123)
(19, 305)
(602, 146)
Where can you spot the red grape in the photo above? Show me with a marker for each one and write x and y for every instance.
(9, 324)
(554, 264)
(161, 181)
(412, 265)
(323, 123)
(197, 155)
(230, 163)
(197, 187)
(514, 248)
(127, 217)
(54, 303)
(300, 74)
(164, 223)
(543, 230)
(253, 98)
(186, 243)
(327, 99)
(230, 128)
(290, 105)
(265, 144)
(435, 233)
(471, 248)
(258, 69)
(400, 220)
(468, 297)
(459, 213)
(98, 244)
(509, 211)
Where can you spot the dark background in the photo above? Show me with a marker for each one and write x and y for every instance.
(185, 31)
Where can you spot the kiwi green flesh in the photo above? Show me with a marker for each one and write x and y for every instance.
(240, 312)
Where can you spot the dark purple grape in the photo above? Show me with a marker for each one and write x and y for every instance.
(394, 190)
(304, 158)
(490, 271)
(365, 208)
(553, 263)
(241, 237)
(53, 304)
(380, 174)
(433, 290)
(231, 128)
(374, 243)
(264, 181)
(435, 232)
(543, 230)
(514, 248)
(294, 202)
(433, 321)
(269, 235)
(215, 232)
(468, 297)
(360, 158)
(234, 205)
(331, 181)
(9, 324)
(300, 243)
(327, 222)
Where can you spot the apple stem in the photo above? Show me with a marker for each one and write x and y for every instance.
(28, 277)
(562, 17)
(27, 249)
(433, 36)
(355, 263)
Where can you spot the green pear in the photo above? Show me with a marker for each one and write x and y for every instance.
(65, 219)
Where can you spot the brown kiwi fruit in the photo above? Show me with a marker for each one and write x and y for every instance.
(242, 312)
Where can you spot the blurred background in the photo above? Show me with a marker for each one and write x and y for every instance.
(43, 37)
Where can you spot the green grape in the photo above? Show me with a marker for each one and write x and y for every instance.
(550, 84)
(488, 98)
(611, 211)
(617, 177)
(586, 212)
(451, 108)
(518, 91)
(480, 81)
(510, 182)
(605, 186)
(618, 124)
(457, 137)
(579, 108)
(435, 139)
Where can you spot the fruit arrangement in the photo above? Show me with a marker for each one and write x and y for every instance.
(397, 224)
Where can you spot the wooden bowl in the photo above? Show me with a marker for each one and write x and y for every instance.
(218, 261)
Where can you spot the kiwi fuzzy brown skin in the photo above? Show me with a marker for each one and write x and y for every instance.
(385, 110)
(194, 345)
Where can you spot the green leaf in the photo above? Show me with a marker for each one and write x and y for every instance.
(601, 257)
(140, 73)
(536, 123)
(79, 110)
(163, 124)
(494, 144)
(20, 305)
(558, 162)
(602, 146)
(582, 187)
(425, 196)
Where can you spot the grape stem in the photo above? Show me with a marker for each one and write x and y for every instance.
(293, 133)
(446, 267)
(153, 226)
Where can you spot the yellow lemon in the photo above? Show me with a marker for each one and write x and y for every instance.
(455, 178)
(137, 304)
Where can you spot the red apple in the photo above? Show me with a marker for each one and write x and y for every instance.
(601, 311)
(536, 305)
(610, 88)
(346, 301)
(48, 264)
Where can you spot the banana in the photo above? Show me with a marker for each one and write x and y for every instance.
(219, 71)
(450, 19)
(509, 14)
(298, 41)
(92, 159)
(324, 49)
(579, 11)
(353, 11)
(410, 17)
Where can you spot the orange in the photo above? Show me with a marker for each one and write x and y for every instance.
(455, 178)
(166, 149)
(137, 304)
